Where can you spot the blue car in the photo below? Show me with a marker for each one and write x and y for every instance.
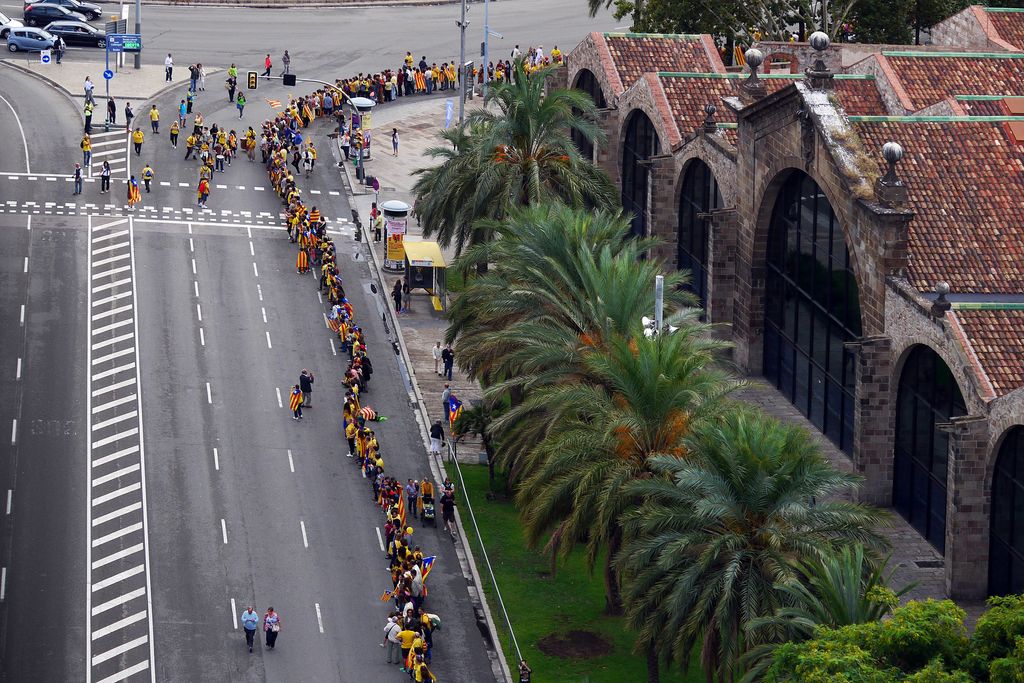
(29, 39)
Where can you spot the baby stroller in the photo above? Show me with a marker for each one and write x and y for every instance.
(428, 511)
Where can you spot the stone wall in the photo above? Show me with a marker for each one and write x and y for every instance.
(969, 28)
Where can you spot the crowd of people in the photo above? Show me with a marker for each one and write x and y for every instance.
(409, 629)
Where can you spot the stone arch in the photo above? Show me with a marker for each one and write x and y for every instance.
(782, 56)
(586, 81)
(927, 394)
(1006, 522)
(811, 309)
(640, 142)
(697, 192)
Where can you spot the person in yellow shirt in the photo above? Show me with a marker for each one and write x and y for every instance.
(190, 145)
(138, 137)
(350, 434)
(406, 638)
(86, 151)
(175, 129)
(147, 176)
(556, 55)
(154, 119)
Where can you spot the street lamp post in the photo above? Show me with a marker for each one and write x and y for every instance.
(462, 64)
(138, 31)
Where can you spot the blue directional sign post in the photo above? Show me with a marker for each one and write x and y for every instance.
(118, 42)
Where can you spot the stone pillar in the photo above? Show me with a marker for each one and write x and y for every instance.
(722, 230)
(874, 420)
(967, 509)
(662, 219)
(606, 155)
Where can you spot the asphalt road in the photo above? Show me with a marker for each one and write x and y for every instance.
(147, 343)
(327, 43)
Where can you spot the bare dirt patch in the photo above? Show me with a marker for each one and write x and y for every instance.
(575, 645)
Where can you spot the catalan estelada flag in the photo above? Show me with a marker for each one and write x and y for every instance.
(454, 410)
(401, 509)
(428, 564)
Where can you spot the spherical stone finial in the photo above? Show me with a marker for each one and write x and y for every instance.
(819, 41)
(710, 109)
(754, 57)
(942, 288)
(892, 152)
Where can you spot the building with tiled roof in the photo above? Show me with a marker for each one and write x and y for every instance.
(820, 249)
(987, 28)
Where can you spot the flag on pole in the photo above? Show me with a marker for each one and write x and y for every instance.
(454, 410)
(428, 564)
(386, 595)
(401, 509)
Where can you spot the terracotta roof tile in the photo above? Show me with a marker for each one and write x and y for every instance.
(1009, 26)
(984, 107)
(996, 338)
(928, 79)
(965, 180)
(635, 54)
(859, 97)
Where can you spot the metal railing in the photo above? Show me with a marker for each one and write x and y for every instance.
(452, 460)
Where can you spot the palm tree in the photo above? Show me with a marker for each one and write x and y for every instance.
(477, 420)
(837, 590)
(642, 400)
(516, 151)
(564, 281)
(719, 530)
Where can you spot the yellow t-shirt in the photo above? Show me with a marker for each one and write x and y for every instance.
(407, 638)
(154, 115)
(137, 137)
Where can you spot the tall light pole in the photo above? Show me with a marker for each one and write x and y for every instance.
(138, 31)
(462, 64)
(659, 302)
(487, 44)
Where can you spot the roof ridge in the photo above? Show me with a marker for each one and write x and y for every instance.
(737, 76)
(1004, 10)
(988, 391)
(668, 36)
(932, 119)
(965, 55)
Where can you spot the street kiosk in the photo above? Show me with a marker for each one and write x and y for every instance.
(425, 269)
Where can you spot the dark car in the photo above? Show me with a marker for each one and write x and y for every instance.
(88, 10)
(78, 33)
(41, 15)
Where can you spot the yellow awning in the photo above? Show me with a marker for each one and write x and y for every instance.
(424, 254)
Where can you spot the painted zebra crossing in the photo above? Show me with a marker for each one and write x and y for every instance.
(119, 633)
(110, 146)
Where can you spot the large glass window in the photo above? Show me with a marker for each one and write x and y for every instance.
(811, 309)
(699, 194)
(640, 145)
(1006, 541)
(586, 82)
(928, 396)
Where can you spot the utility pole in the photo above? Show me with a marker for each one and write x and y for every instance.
(487, 45)
(138, 31)
(659, 302)
(462, 64)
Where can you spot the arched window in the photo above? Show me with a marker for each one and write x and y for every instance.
(640, 145)
(811, 309)
(928, 395)
(1006, 540)
(586, 82)
(699, 194)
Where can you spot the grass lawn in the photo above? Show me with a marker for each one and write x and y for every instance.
(540, 605)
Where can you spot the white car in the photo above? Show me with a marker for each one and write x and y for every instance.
(6, 24)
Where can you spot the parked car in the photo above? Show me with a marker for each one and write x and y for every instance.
(90, 11)
(78, 33)
(46, 13)
(6, 24)
(29, 39)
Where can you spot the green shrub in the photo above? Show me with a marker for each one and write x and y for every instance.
(996, 635)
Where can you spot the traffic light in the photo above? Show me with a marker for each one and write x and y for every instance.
(359, 138)
(289, 79)
(254, 79)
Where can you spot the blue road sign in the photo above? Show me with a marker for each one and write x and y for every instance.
(124, 42)
(108, 74)
(45, 57)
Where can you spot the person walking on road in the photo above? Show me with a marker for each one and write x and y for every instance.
(268, 64)
(87, 110)
(203, 192)
(182, 113)
(88, 86)
(168, 68)
(391, 642)
(394, 141)
(250, 620)
(412, 494)
(436, 438)
(111, 111)
(78, 179)
(154, 119)
(105, 178)
(86, 146)
(448, 511)
(190, 101)
(138, 137)
(295, 402)
(129, 114)
(134, 194)
(240, 104)
(445, 395)
(286, 59)
(396, 294)
(190, 146)
(448, 356)
(59, 47)
(231, 84)
(271, 626)
(147, 176)
(174, 134)
(437, 358)
(306, 380)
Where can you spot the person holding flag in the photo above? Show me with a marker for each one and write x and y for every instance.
(454, 410)
(134, 194)
(295, 402)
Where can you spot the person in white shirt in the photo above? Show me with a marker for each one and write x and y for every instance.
(88, 90)
(516, 53)
(437, 358)
(168, 67)
(538, 58)
(250, 620)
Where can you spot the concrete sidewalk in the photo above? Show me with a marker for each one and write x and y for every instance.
(418, 122)
(129, 83)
